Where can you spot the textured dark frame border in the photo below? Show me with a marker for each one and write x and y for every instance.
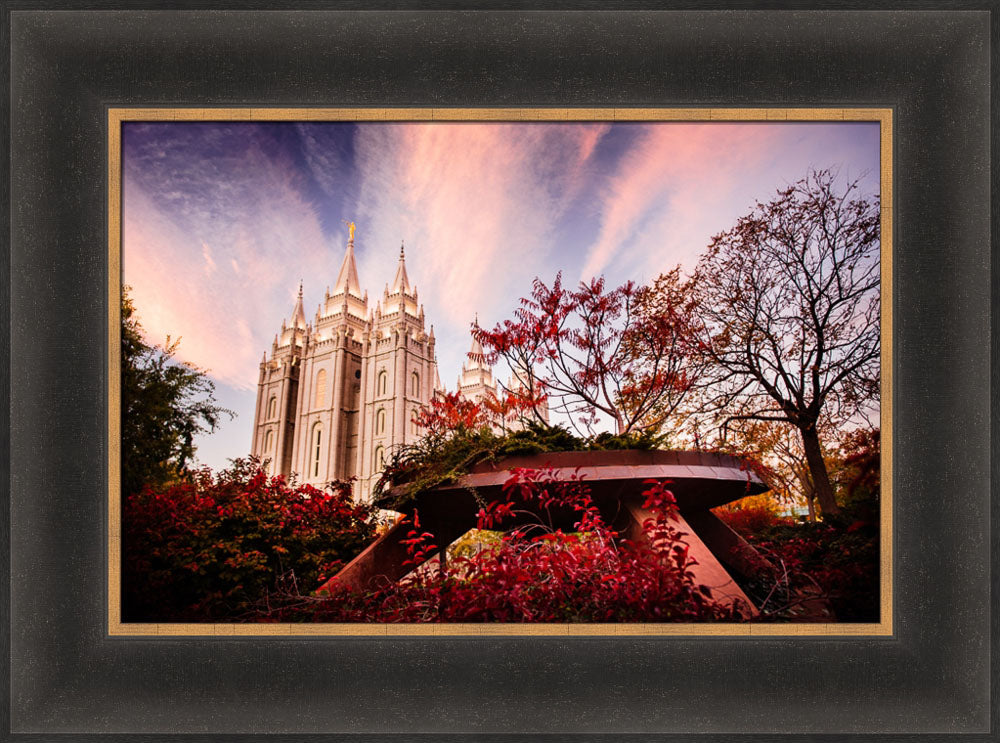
(66, 675)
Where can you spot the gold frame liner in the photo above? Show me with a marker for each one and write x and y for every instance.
(117, 116)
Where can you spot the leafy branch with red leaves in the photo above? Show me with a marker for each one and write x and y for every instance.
(590, 354)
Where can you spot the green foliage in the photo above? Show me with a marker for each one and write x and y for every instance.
(443, 458)
(645, 440)
(537, 439)
(473, 542)
(164, 402)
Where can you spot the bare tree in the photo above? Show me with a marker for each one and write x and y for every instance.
(789, 301)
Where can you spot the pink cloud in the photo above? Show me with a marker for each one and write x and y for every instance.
(483, 208)
(477, 205)
(670, 185)
(206, 253)
(225, 318)
(681, 184)
(220, 225)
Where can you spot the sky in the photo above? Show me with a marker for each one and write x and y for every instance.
(221, 220)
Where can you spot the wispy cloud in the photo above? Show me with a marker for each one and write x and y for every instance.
(207, 193)
(478, 206)
(325, 156)
(206, 253)
(681, 184)
(668, 186)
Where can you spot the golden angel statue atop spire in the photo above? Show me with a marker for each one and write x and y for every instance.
(350, 230)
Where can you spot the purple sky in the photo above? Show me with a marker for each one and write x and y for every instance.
(222, 220)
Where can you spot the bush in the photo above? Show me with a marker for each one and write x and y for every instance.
(831, 564)
(752, 518)
(212, 548)
(839, 565)
(527, 576)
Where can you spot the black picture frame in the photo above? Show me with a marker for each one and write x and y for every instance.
(70, 62)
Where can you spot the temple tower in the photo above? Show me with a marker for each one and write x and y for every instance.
(476, 381)
(277, 393)
(336, 397)
(329, 393)
(398, 374)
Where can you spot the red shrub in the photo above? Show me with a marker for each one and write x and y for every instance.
(208, 549)
(584, 576)
(839, 565)
(752, 519)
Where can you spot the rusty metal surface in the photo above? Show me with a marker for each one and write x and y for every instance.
(616, 480)
(699, 480)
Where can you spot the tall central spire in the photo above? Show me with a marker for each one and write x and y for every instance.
(347, 279)
(401, 284)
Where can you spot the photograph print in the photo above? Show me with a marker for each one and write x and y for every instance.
(523, 372)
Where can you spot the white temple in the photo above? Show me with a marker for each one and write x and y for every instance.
(337, 395)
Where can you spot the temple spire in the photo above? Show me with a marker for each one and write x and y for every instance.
(298, 314)
(477, 359)
(347, 279)
(401, 284)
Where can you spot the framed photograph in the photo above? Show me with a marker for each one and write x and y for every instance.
(633, 373)
(205, 206)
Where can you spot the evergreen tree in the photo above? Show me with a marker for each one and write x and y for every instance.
(164, 404)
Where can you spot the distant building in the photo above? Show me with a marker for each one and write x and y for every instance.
(337, 395)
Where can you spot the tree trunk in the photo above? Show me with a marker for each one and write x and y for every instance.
(808, 492)
(619, 424)
(822, 488)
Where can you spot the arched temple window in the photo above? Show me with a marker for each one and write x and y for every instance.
(320, 388)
